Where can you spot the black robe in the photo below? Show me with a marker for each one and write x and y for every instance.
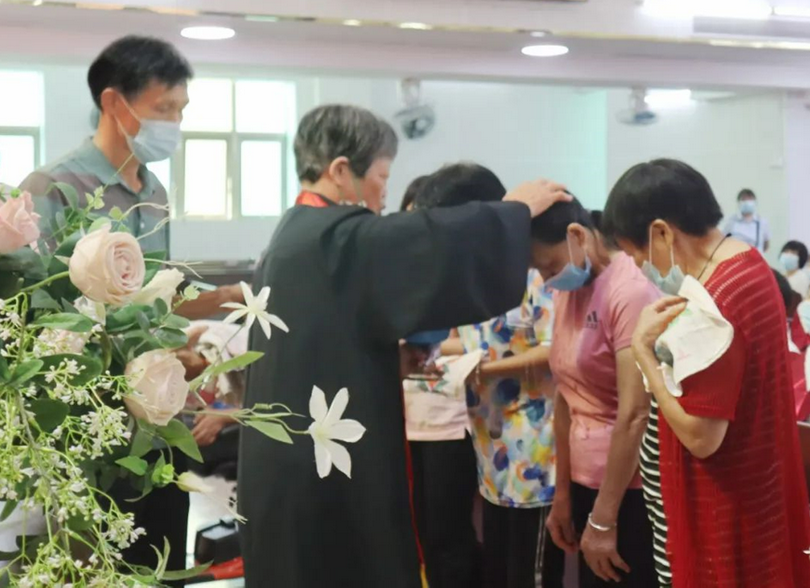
(350, 285)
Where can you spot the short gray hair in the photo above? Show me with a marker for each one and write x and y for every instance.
(338, 130)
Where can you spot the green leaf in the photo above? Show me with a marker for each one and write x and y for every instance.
(161, 308)
(116, 213)
(10, 284)
(79, 524)
(141, 443)
(273, 430)
(8, 508)
(126, 318)
(143, 321)
(136, 465)
(171, 338)
(41, 299)
(236, 363)
(5, 373)
(25, 371)
(91, 367)
(68, 191)
(179, 435)
(75, 323)
(24, 261)
(185, 574)
(49, 413)
(99, 223)
(176, 322)
(107, 477)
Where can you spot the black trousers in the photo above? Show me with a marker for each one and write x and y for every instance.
(444, 487)
(635, 539)
(163, 513)
(518, 552)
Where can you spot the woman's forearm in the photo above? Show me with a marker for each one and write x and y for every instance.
(562, 432)
(701, 436)
(529, 364)
(625, 442)
(622, 465)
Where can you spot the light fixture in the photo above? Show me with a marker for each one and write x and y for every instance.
(738, 9)
(668, 98)
(539, 34)
(352, 22)
(416, 26)
(208, 33)
(261, 18)
(544, 50)
(792, 11)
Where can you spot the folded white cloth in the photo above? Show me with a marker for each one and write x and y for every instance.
(436, 410)
(20, 522)
(696, 339)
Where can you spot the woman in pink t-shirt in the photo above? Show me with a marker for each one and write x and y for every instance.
(601, 409)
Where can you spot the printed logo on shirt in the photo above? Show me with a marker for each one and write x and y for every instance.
(592, 321)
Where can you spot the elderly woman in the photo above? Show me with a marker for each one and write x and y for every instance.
(733, 507)
(601, 408)
(350, 285)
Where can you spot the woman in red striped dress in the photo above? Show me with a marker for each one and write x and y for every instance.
(733, 497)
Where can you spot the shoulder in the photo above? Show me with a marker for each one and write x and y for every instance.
(742, 281)
(628, 285)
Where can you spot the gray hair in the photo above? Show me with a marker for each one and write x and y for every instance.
(338, 130)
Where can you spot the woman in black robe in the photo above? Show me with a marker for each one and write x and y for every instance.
(350, 285)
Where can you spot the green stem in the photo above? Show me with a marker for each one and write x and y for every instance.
(45, 282)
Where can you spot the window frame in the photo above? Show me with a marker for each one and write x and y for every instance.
(234, 140)
(34, 132)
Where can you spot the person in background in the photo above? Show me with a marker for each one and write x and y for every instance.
(369, 282)
(510, 409)
(798, 342)
(747, 225)
(140, 86)
(793, 260)
(442, 457)
(601, 408)
(734, 505)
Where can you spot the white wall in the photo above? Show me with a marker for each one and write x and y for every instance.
(736, 143)
(521, 131)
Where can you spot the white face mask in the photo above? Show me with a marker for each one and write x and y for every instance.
(156, 139)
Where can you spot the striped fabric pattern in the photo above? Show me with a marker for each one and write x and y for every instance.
(651, 480)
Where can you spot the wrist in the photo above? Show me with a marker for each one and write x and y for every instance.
(594, 524)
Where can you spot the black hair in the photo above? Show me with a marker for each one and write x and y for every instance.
(551, 227)
(412, 191)
(664, 189)
(458, 184)
(800, 249)
(596, 219)
(131, 63)
(338, 130)
(790, 297)
(746, 193)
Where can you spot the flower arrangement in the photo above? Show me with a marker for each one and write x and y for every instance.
(90, 387)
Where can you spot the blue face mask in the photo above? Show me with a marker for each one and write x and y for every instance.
(748, 207)
(669, 284)
(572, 277)
(156, 140)
(789, 261)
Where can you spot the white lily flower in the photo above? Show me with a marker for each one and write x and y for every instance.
(328, 428)
(255, 307)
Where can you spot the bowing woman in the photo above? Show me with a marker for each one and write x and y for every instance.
(350, 285)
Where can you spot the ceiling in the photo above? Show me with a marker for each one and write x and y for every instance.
(609, 43)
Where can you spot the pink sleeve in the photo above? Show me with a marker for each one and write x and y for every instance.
(627, 301)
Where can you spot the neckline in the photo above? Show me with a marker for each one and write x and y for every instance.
(722, 264)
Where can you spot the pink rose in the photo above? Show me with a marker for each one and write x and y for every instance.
(160, 388)
(108, 267)
(19, 224)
